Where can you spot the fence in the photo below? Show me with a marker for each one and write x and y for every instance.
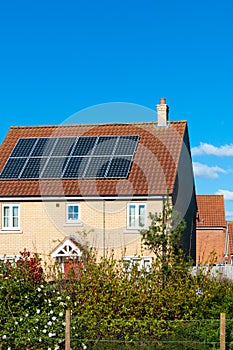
(131, 334)
(177, 335)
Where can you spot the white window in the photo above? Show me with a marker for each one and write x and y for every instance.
(72, 213)
(142, 263)
(136, 215)
(10, 217)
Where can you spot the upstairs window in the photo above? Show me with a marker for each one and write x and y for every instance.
(72, 213)
(136, 215)
(10, 217)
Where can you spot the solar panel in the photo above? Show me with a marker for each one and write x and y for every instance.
(63, 146)
(119, 167)
(97, 167)
(54, 167)
(84, 145)
(71, 157)
(43, 147)
(33, 168)
(75, 167)
(13, 168)
(23, 147)
(105, 145)
(126, 145)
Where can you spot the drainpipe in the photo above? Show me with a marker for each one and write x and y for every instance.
(226, 244)
(104, 229)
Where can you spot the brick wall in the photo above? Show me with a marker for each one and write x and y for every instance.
(209, 241)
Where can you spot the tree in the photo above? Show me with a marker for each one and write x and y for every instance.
(163, 237)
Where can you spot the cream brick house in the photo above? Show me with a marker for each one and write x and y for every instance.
(58, 182)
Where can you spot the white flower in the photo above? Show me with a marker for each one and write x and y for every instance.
(53, 318)
(37, 311)
(49, 323)
(40, 340)
(8, 348)
(60, 314)
(52, 335)
(16, 322)
(39, 289)
(58, 298)
(84, 346)
(51, 312)
(26, 315)
(41, 286)
(4, 336)
(44, 331)
(68, 297)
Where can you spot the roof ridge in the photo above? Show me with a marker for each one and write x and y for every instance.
(85, 125)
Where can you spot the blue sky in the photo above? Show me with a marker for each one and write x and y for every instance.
(60, 57)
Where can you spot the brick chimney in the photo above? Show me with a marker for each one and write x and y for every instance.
(162, 113)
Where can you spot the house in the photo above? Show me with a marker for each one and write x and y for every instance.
(229, 243)
(68, 186)
(211, 232)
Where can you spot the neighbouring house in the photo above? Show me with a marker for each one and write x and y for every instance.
(229, 242)
(211, 232)
(68, 186)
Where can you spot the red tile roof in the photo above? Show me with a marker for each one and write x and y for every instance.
(153, 170)
(211, 211)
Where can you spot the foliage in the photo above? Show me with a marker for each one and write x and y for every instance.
(163, 238)
(112, 308)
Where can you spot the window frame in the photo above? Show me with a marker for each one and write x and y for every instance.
(137, 225)
(72, 221)
(11, 226)
(143, 263)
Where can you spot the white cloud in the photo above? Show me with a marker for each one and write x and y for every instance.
(208, 149)
(209, 172)
(229, 214)
(228, 195)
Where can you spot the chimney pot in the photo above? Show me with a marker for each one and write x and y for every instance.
(163, 101)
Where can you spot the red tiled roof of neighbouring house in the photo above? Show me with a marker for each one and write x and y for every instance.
(211, 211)
(153, 170)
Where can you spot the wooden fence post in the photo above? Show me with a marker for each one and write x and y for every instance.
(67, 335)
(222, 331)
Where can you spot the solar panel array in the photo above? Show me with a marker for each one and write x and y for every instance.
(84, 157)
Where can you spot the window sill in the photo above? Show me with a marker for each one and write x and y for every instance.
(131, 230)
(135, 230)
(10, 231)
(68, 224)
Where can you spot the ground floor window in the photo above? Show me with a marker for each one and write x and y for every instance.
(142, 263)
